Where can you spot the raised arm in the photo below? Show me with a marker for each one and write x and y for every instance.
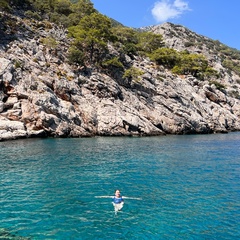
(132, 198)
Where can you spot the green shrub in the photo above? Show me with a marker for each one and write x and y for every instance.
(4, 6)
(33, 15)
(193, 64)
(114, 62)
(149, 42)
(210, 72)
(63, 7)
(130, 49)
(125, 35)
(184, 63)
(177, 70)
(133, 73)
(92, 35)
(218, 85)
(17, 64)
(75, 56)
(231, 65)
(50, 42)
(167, 57)
(189, 44)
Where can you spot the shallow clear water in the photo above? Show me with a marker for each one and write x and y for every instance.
(190, 186)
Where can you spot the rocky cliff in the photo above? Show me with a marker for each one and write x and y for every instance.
(42, 95)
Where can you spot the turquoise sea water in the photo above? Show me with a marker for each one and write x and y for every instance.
(189, 185)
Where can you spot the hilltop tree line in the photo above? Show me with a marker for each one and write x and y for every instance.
(93, 32)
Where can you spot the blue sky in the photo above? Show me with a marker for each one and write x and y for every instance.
(216, 19)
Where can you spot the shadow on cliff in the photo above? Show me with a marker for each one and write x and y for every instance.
(10, 29)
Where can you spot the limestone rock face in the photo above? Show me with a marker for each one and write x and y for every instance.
(42, 95)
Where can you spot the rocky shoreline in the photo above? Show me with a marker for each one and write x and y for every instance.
(41, 95)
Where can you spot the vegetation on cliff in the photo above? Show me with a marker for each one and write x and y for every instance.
(92, 32)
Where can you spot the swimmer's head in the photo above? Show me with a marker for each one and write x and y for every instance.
(117, 192)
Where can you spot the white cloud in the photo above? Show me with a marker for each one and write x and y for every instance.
(166, 9)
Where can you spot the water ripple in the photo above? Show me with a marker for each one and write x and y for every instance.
(189, 185)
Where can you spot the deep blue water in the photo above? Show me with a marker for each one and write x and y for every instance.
(189, 185)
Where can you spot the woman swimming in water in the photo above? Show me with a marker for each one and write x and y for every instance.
(117, 201)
